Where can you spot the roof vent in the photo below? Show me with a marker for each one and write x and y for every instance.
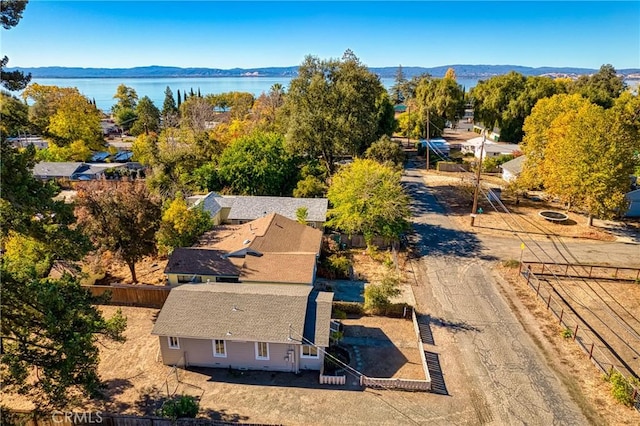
(228, 333)
(246, 242)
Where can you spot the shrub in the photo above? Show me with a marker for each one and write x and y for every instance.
(567, 333)
(353, 308)
(511, 263)
(622, 388)
(180, 407)
(339, 265)
(339, 314)
(376, 296)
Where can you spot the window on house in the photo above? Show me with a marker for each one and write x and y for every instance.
(219, 348)
(262, 350)
(309, 351)
(174, 343)
(183, 279)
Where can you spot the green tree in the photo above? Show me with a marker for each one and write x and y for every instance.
(50, 326)
(367, 198)
(148, 117)
(258, 164)
(397, 97)
(169, 109)
(10, 15)
(601, 88)
(588, 157)
(331, 108)
(181, 226)
(54, 327)
(75, 119)
(15, 115)
(124, 109)
(123, 219)
(206, 177)
(27, 207)
(537, 127)
(506, 100)
(439, 100)
(386, 151)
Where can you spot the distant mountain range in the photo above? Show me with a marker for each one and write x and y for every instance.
(154, 71)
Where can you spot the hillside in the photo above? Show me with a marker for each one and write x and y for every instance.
(154, 71)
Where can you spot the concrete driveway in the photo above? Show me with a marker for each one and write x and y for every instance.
(492, 370)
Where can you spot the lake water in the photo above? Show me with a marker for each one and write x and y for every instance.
(103, 89)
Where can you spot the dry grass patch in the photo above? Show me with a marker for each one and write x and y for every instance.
(583, 380)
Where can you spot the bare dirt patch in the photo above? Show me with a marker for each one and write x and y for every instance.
(455, 191)
(388, 346)
(106, 269)
(583, 380)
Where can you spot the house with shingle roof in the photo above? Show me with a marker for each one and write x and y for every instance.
(512, 169)
(271, 249)
(243, 297)
(237, 209)
(245, 326)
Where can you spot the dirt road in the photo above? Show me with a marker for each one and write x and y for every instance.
(490, 364)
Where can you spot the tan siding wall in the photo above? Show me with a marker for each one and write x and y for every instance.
(171, 356)
(241, 355)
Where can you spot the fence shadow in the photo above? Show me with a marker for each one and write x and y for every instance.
(438, 384)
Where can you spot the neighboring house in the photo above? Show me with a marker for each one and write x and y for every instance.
(25, 141)
(245, 326)
(269, 250)
(512, 169)
(237, 209)
(491, 148)
(71, 170)
(634, 203)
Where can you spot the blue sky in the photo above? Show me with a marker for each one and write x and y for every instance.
(123, 34)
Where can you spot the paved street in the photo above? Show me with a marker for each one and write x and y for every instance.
(489, 362)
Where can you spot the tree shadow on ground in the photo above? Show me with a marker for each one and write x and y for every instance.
(303, 379)
(224, 416)
(454, 326)
(435, 240)
(113, 388)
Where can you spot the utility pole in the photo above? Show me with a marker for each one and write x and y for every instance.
(427, 139)
(475, 194)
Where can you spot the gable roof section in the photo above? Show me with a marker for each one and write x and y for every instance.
(197, 261)
(244, 312)
(271, 234)
(254, 207)
(290, 268)
(515, 166)
(56, 169)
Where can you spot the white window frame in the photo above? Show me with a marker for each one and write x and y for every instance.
(215, 348)
(258, 356)
(302, 355)
(173, 344)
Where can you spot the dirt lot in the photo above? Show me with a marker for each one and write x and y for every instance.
(583, 380)
(137, 383)
(455, 191)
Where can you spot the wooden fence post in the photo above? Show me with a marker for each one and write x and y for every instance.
(591, 351)
(561, 314)
(575, 333)
(538, 289)
(548, 302)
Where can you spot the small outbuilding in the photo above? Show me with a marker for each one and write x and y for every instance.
(634, 203)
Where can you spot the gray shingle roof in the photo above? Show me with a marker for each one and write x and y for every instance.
(56, 169)
(515, 166)
(195, 261)
(250, 208)
(245, 312)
